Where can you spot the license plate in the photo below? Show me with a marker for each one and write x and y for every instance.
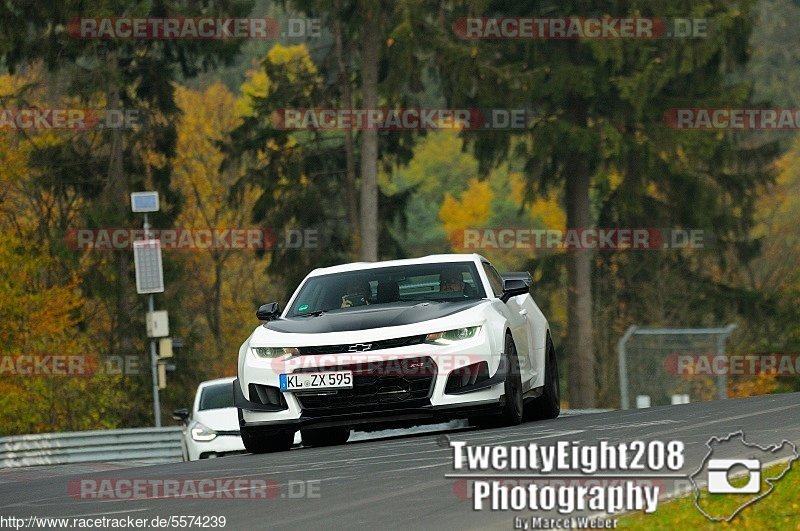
(306, 381)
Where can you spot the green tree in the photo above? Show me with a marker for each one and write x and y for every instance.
(91, 173)
(599, 107)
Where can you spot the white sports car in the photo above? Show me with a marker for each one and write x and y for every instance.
(401, 342)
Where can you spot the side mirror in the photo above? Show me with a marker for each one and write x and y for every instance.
(513, 287)
(522, 275)
(180, 414)
(269, 312)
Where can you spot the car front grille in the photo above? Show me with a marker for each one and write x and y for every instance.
(377, 386)
(362, 347)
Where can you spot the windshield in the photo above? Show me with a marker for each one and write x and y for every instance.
(217, 396)
(445, 282)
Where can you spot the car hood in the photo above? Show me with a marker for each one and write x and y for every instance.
(369, 317)
(223, 419)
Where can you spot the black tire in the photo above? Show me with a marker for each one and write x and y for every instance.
(548, 405)
(325, 436)
(266, 441)
(512, 412)
(513, 408)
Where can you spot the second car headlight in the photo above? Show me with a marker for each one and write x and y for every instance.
(275, 352)
(456, 334)
(203, 433)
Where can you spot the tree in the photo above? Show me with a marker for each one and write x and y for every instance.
(599, 107)
(215, 278)
(292, 170)
(379, 45)
(91, 172)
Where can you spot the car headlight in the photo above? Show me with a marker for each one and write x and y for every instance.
(456, 334)
(275, 352)
(203, 433)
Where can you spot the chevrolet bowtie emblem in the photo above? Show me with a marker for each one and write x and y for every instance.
(359, 347)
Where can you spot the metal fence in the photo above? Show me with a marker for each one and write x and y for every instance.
(645, 370)
(147, 445)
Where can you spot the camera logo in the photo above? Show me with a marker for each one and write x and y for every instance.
(719, 473)
(733, 482)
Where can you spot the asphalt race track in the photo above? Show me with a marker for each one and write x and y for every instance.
(397, 482)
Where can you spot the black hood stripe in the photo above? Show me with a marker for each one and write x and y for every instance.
(370, 317)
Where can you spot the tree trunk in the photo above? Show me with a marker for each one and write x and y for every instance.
(351, 205)
(370, 55)
(580, 348)
(116, 201)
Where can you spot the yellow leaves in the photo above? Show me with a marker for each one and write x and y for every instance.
(37, 316)
(517, 187)
(206, 119)
(760, 384)
(439, 163)
(10, 85)
(470, 211)
(256, 86)
(545, 209)
(292, 55)
(297, 64)
(549, 211)
(215, 278)
(156, 160)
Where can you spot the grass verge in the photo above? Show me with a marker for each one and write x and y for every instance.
(780, 509)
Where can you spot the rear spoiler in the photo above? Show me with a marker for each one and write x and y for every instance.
(518, 275)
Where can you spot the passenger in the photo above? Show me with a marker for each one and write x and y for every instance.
(357, 293)
(451, 280)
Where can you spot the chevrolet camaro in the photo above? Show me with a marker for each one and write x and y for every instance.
(395, 343)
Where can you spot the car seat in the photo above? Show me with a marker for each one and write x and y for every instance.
(388, 291)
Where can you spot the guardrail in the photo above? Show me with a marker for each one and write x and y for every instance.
(148, 445)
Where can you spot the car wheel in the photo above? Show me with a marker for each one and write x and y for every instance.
(513, 407)
(511, 414)
(548, 405)
(325, 436)
(265, 441)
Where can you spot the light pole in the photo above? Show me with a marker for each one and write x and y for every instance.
(153, 353)
(150, 280)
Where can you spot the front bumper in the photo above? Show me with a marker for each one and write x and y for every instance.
(372, 420)
(373, 402)
(220, 446)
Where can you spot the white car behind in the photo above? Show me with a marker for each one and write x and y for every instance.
(211, 429)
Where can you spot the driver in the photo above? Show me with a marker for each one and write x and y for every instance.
(450, 280)
(357, 293)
